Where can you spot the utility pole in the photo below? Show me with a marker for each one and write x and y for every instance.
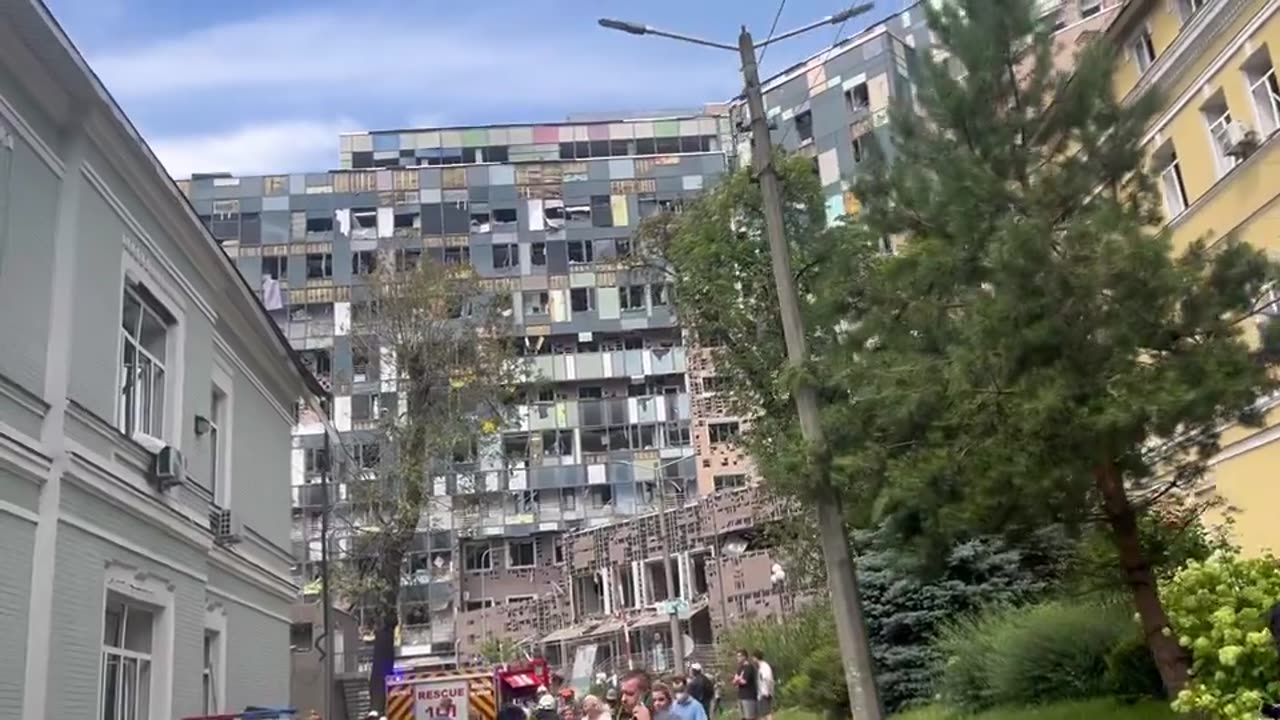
(855, 651)
(846, 603)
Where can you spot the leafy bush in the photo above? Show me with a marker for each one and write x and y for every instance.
(1026, 656)
(1219, 609)
(1131, 672)
(904, 605)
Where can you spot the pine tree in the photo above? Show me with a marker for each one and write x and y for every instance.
(1038, 352)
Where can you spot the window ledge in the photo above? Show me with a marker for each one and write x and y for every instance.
(1266, 147)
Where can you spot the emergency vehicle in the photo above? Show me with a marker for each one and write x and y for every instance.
(464, 694)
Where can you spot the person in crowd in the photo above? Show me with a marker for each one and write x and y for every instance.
(569, 711)
(685, 707)
(701, 688)
(546, 709)
(765, 683)
(512, 712)
(613, 699)
(593, 708)
(748, 687)
(634, 686)
(567, 696)
(662, 699)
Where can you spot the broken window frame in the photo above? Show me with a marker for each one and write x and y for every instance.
(506, 256)
(581, 252)
(481, 553)
(522, 544)
(319, 266)
(726, 431)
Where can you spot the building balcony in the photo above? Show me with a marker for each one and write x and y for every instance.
(604, 365)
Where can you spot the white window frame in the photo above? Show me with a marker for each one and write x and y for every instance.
(215, 624)
(1172, 187)
(134, 394)
(1143, 49)
(133, 273)
(221, 419)
(156, 595)
(1217, 128)
(1266, 113)
(1089, 8)
(533, 543)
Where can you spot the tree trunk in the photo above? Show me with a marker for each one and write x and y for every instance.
(384, 631)
(1170, 658)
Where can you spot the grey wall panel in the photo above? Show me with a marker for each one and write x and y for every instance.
(197, 377)
(17, 537)
(99, 298)
(25, 287)
(256, 644)
(260, 464)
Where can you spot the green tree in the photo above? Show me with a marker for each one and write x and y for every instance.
(1037, 352)
(435, 331)
(717, 256)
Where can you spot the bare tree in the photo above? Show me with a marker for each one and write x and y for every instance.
(435, 346)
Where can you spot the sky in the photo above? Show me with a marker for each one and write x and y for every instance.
(261, 86)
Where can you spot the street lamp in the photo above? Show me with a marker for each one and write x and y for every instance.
(778, 578)
(855, 651)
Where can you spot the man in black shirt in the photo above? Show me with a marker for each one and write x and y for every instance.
(748, 688)
(701, 688)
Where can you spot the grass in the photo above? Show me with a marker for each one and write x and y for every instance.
(1092, 709)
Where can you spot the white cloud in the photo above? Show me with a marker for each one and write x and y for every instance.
(356, 57)
(269, 147)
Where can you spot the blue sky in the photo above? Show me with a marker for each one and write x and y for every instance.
(255, 86)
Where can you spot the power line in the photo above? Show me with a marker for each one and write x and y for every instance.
(772, 28)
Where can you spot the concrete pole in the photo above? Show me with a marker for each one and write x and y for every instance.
(864, 700)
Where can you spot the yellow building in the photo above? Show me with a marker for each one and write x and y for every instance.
(1216, 146)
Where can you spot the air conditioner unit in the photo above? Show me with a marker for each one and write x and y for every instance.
(224, 525)
(1270, 302)
(1240, 141)
(167, 467)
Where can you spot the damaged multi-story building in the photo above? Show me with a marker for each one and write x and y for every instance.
(544, 213)
(611, 612)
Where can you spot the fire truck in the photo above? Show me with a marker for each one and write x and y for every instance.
(463, 694)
